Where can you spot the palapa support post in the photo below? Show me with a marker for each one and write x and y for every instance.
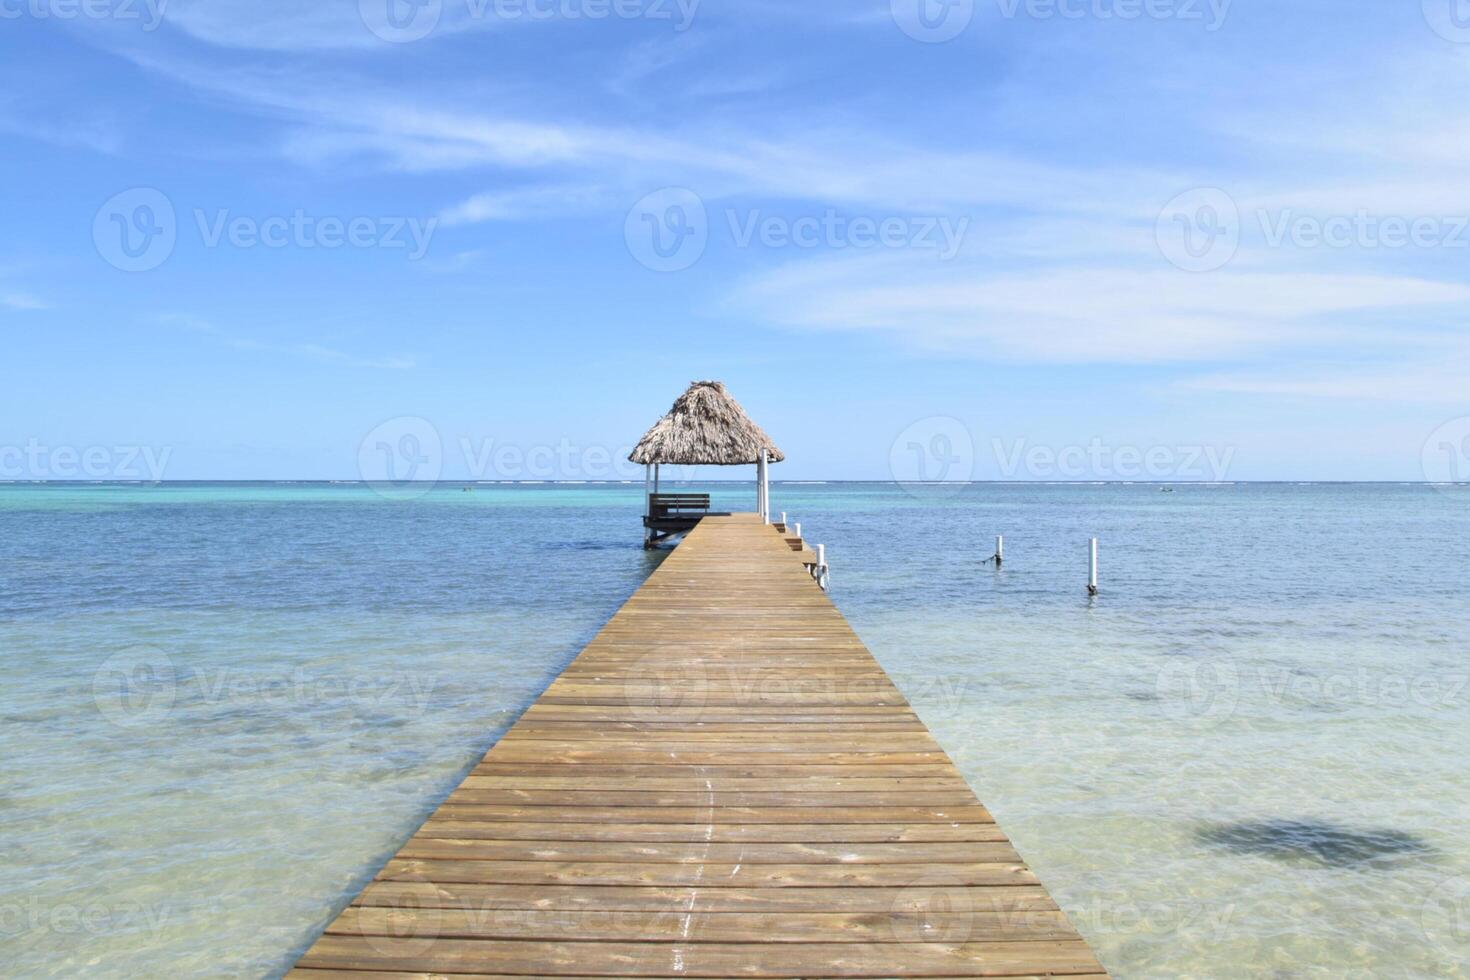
(1092, 567)
(647, 505)
(762, 487)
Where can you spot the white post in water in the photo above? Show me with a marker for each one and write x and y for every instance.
(1000, 549)
(1092, 567)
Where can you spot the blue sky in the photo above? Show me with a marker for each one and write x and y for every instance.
(1037, 239)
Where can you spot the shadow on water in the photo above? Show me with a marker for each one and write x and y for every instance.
(1322, 844)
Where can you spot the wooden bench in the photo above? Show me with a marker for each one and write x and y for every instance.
(674, 513)
(677, 505)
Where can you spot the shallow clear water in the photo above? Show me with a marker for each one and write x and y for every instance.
(224, 706)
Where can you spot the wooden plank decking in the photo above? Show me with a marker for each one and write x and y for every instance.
(723, 784)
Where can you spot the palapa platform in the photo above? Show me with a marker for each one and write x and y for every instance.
(723, 784)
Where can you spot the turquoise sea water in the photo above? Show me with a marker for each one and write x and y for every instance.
(223, 706)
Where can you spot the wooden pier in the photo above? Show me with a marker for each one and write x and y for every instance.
(723, 784)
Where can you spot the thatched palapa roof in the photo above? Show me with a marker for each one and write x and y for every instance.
(706, 427)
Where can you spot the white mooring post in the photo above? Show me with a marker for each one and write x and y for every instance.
(821, 573)
(1000, 550)
(1092, 567)
(798, 530)
(783, 518)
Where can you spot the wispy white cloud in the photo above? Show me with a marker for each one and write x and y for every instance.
(307, 350)
(1118, 314)
(454, 264)
(22, 301)
(330, 119)
(1060, 267)
(534, 202)
(80, 127)
(1443, 380)
(291, 25)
